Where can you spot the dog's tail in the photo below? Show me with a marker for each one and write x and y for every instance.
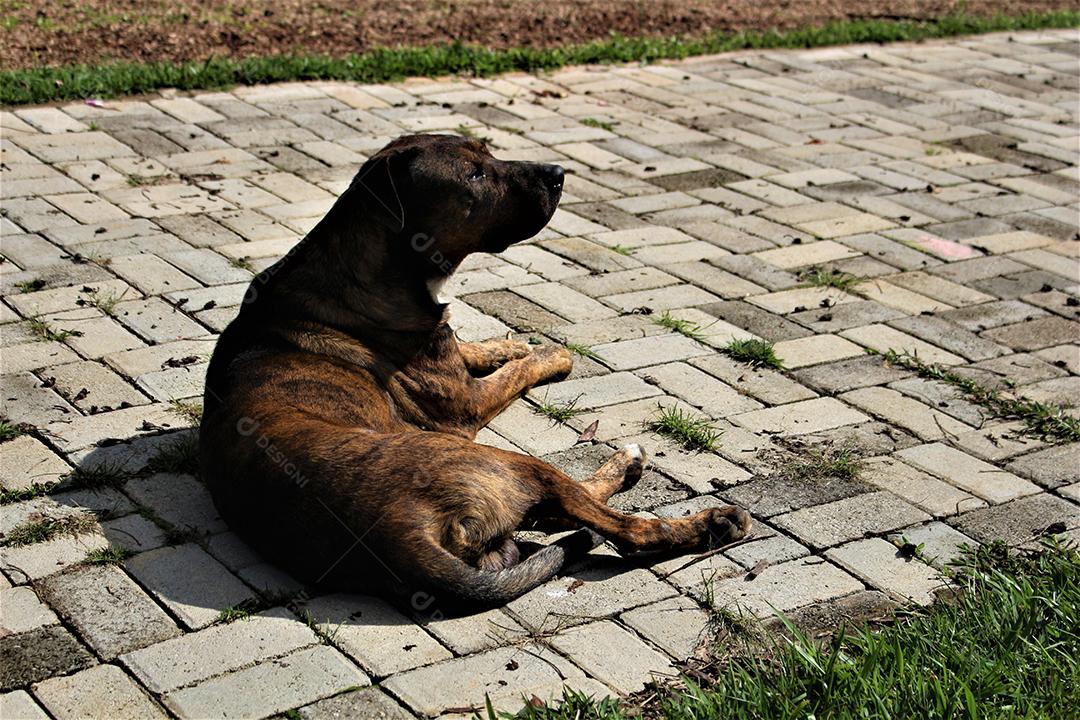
(461, 582)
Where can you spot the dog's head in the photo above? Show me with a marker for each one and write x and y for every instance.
(443, 196)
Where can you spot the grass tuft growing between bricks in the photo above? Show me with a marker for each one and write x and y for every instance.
(44, 331)
(42, 528)
(583, 350)
(1006, 646)
(178, 455)
(190, 411)
(558, 412)
(757, 353)
(48, 84)
(9, 431)
(690, 431)
(621, 250)
(843, 463)
(600, 124)
(103, 474)
(27, 493)
(237, 612)
(684, 327)
(820, 277)
(1044, 420)
(107, 556)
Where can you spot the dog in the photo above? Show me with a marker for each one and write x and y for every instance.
(340, 409)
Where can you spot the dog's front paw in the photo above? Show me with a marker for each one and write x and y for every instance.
(557, 361)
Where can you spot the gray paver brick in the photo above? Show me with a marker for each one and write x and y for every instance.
(851, 518)
(593, 646)
(102, 691)
(879, 563)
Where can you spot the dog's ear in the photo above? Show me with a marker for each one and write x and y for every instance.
(382, 185)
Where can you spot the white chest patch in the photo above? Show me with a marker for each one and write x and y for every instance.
(435, 286)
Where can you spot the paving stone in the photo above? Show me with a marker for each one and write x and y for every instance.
(938, 543)
(800, 418)
(1051, 468)
(219, 649)
(948, 336)
(269, 687)
(194, 586)
(814, 350)
(25, 461)
(1035, 334)
(595, 392)
(38, 654)
(921, 489)
(378, 637)
(880, 564)
(677, 625)
(1019, 521)
(102, 691)
(366, 703)
(18, 705)
(756, 321)
(504, 675)
(896, 409)
(883, 338)
(833, 523)
(837, 377)
(107, 609)
(714, 398)
(767, 385)
(33, 562)
(632, 354)
(23, 611)
(593, 646)
(603, 592)
(975, 476)
(785, 587)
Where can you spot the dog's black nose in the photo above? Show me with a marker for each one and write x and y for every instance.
(553, 176)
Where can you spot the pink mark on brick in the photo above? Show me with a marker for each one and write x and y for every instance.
(945, 248)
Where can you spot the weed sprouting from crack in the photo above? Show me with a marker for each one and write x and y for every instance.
(1044, 420)
(684, 327)
(582, 350)
(107, 556)
(41, 528)
(558, 412)
(754, 352)
(44, 331)
(690, 431)
(820, 277)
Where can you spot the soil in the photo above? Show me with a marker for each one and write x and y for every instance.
(34, 33)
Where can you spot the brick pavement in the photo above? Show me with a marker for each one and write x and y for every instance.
(940, 180)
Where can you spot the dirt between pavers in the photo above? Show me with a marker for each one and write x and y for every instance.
(35, 33)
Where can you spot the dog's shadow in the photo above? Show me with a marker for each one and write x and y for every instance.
(138, 506)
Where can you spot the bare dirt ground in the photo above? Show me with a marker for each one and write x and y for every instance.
(51, 32)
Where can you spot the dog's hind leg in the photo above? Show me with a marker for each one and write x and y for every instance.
(482, 358)
(621, 471)
(710, 528)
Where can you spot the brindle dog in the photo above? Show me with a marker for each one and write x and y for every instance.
(340, 409)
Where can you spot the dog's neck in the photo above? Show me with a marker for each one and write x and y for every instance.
(359, 288)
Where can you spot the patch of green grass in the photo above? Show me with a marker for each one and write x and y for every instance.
(104, 301)
(1044, 420)
(292, 715)
(28, 493)
(758, 353)
(684, 327)
(190, 411)
(9, 431)
(594, 123)
(29, 286)
(327, 636)
(690, 431)
(43, 528)
(237, 612)
(179, 454)
(558, 412)
(107, 556)
(621, 250)
(99, 475)
(819, 277)
(1006, 647)
(174, 535)
(45, 331)
(49, 84)
(244, 263)
(582, 350)
(841, 462)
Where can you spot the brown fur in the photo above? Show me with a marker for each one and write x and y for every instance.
(340, 410)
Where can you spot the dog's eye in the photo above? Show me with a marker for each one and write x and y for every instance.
(477, 174)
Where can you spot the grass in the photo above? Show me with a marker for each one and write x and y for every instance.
(29, 286)
(35, 490)
(690, 431)
(582, 350)
(1044, 420)
(842, 463)
(819, 277)
(1007, 646)
(190, 411)
(107, 556)
(684, 327)
(48, 84)
(103, 474)
(42, 529)
(179, 455)
(237, 612)
(621, 250)
(104, 301)
(44, 331)
(558, 412)
(594, 123)
(758, 353)
(243, 263)
(9, 431)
